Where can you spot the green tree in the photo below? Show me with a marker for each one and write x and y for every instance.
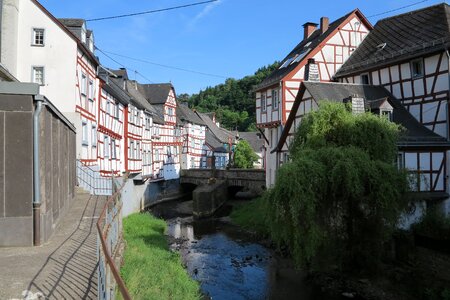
(244, 156)
(233, 101)
(339, 200)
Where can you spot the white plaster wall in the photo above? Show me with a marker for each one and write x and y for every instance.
(58, 56)
(9, 33)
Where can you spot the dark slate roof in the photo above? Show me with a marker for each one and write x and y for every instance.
(122, 72)
(185, 114)
(303, 48)
(113, 86)
(213, 142)
(140, 101)
(253, 139)
(408, 35)
(70, 22)
(156, 93)
(221, 135)
(414, 131)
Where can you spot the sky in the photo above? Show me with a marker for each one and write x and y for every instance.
(219, 40)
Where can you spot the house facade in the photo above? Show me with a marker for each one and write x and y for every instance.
(413, 65)
(168, 139)
(318, 56)
(193, 132)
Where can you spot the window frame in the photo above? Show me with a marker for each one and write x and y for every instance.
(94, 135)
(422, 68)
(275, 99)
(364, 75)
(34, 30)
(263, 102)
(83, 84)
(33, 74)
(84, 133)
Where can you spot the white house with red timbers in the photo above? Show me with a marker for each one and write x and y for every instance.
(167, 145)
(193, 132)
(408, 55)
(317, 57)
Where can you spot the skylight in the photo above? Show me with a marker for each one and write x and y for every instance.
(287, 62)
(301, 55)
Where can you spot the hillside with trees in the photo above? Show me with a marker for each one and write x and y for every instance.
(233, 101)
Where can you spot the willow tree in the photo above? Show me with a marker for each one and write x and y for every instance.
(339, 199)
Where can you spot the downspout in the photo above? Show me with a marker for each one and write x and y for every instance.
(36, 179)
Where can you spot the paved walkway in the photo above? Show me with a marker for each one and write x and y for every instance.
(65, 267)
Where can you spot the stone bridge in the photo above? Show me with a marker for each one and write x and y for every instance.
(251, 179)
(210, 195)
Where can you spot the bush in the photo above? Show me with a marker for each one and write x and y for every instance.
(434, 224)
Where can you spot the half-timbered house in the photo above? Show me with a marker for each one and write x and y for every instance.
(168, 141)
(113, 101)
(408, 55)
(317, 57)
(217, 149)
(193, 137)
(420, 150)
(87, 90)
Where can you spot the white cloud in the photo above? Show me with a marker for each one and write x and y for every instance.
(205, 11)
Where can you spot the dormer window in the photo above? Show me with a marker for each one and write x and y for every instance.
(386, 114)
(38, 37)
(417, 68)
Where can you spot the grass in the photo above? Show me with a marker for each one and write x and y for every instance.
(251, 216)
(151, 270)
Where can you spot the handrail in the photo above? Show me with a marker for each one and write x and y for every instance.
(104, 224)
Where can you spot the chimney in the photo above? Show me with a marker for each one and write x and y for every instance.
(324, 24)
(309, 29)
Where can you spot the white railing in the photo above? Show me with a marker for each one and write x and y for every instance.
(90, 179)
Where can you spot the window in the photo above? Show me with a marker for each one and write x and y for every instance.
(38, 37)
(400, 161)
(94, 136)
(113, 149)
(170, 111)
(263, 102)
(106, 146)
(131, 150)
(387, 114)
(91, 89)
(84, 134)
(107, 109)
(193, 144)
(117, 111)
(138, 150)
(417, 68)
(147, 123)
(274, 99)
(365, 79)
(157, 154)
(38, 75)
(83, 84)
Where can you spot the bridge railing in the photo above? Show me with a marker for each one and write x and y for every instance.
(91, 180)
(109, 239)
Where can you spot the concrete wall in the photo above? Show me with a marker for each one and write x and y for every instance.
(57, 168)
(16, 170)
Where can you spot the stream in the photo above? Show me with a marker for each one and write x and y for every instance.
(226, 261)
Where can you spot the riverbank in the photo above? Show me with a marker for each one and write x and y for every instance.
(397, 281)
(150, 269)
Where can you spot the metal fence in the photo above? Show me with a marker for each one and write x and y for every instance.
(92, 181)
(109, 240)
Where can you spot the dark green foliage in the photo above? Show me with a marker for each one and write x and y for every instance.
(252, 216)
(434, 224)
(233, 101)
(244, 156)
(340, 198)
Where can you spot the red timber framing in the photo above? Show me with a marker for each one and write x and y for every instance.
(133, 139)
(425, 97)
(329, 55)
(193, 141)
(86, 105)
(110, 133)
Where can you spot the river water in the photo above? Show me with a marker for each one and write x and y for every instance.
(227, 262)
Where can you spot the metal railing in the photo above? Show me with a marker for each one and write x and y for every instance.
(92, 181)
(109, 240)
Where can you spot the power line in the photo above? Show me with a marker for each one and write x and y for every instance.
(164, 66)
(396, 9)
(151, 11)
(123, 66)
